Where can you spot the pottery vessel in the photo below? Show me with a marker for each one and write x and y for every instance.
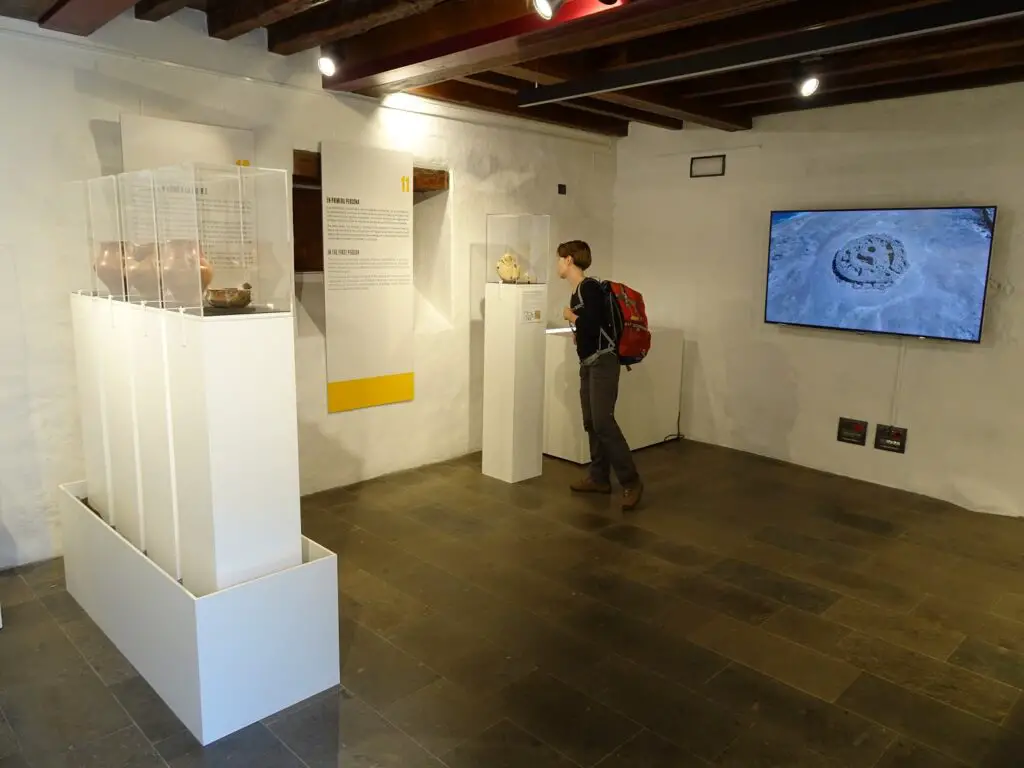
(141, 272)
(109, 266)
(186, 272)
(230, 298)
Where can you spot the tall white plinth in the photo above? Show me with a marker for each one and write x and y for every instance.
(86, 317)
(514, 353)
(222, 661)
(157, 491)
(235, 444)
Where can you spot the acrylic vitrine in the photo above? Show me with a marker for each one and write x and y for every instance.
(224, 242)
(105, 237)
(518, 248)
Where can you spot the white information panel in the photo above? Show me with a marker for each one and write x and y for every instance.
(368, 276)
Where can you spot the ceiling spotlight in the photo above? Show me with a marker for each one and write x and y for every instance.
(546, 9)
(809, 87)
(326, 66)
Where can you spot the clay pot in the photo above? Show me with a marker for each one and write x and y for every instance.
(182, 261)
(141, 272)
(230, 298)
(109, 264)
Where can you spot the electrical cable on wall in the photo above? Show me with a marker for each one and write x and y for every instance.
(898, 383)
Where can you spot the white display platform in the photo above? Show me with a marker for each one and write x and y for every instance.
(513, 421)
(190, 422)
(235, 446)
(223, 661)
(649, 396)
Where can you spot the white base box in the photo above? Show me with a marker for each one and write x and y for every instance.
(649, 396)
(513, 440)
(222, 661)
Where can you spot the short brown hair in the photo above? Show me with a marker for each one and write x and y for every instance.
(578, 251)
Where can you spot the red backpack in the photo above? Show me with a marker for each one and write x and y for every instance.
(629, 322)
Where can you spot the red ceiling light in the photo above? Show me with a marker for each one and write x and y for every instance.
(547, 9)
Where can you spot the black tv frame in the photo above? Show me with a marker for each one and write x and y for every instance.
(893, 334)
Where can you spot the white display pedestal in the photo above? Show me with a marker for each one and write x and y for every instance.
(191, 423)
(220, 662)
(649, 396)
(513, 422)
(235, 443)
(202, 413)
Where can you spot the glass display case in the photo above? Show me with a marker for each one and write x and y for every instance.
(105, 239)
(223, 237)
(138, 226)
(519, 248)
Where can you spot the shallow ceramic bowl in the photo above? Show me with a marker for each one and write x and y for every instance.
(229, 298)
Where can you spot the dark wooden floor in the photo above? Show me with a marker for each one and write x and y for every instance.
(752, 614)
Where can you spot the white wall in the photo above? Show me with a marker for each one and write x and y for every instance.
(697, 249)
(62, 101)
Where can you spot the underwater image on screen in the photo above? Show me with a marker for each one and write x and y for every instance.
(912, 272)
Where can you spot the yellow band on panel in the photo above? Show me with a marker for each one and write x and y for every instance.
(368, 393)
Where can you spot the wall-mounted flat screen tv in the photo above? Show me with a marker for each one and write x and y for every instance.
(902, 271)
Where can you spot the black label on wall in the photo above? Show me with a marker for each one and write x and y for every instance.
(852, 431)
(893, 439)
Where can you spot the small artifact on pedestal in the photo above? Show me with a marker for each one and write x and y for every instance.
(508, 269)
(230, 298)
(109, 266)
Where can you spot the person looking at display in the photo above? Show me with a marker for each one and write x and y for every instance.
(589, 314)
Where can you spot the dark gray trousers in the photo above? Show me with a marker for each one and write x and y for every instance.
(599, 389)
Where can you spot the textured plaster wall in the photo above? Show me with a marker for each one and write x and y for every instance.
(63, 98)
(698, 250)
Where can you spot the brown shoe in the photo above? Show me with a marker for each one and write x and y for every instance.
(631, 496)
(589, 485)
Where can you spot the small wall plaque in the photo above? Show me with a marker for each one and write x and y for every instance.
(707, 166)
(852, 431)
(892, 439)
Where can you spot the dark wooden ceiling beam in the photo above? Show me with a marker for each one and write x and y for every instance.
(155, 10)
(895, 91)
(229, 19)
(490, 100)
(339, 20)
(510, 84)
(802, 45)
(995, 37)
(659, 100)
(765, 24)
(460, 38)
(949, 66)
(306, 170)
(82, 17)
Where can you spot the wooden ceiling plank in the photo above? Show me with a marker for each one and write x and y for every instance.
(660, 100)
(490, 100)
(800, 46)
(990, 38)
(765, 24)
(26, 10)
(948, 66)
(340, 20)
(426, 50)
(229, 19)
(82, 17)
(895, 91)
(510, 84)
(155, 10)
